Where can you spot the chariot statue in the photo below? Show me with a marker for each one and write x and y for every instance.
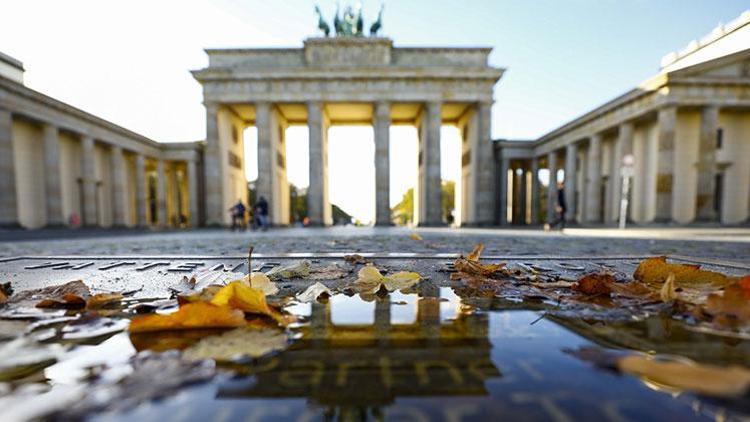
(350, 23)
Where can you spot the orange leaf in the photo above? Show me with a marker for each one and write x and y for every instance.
(190, 316)
(655, 271)
(471, 265)
(595, 284)
(103, 300)
(239, 295)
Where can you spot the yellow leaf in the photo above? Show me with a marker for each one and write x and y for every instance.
(190, 316)
(239, 295)
(668, 292)
(655, 271)
(415, 236)
(471, 265)
(369, 280)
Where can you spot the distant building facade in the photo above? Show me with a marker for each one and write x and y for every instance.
(687, 130)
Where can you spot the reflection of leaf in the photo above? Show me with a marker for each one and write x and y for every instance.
(238, 295)
(23, 356)
(369, 280)
(190, 316)
(296, 270)
(654, 271)
(313, 292)
(237, 343)
(473, 267)
(680, 374)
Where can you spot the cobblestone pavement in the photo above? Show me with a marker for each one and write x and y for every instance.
(727, 244)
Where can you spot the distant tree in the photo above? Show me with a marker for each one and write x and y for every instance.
(298, 207)
(403, 212)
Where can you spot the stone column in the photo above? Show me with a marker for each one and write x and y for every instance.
(174, 195)
(534, 190)
(522, 195)
(430, 191)
(503, 200)
(88, 158)
(318, 206)
(594, 179)
(571, 154)
(8, 205)
(141, 190)
(192, 179)
(119, 192)
(212, 168)
(623, 146)
(52, 177)
(666, 121)
(485, 209)
(552, 190)
(161, 194)
(266, 156)
(706, 165)
(382, 126)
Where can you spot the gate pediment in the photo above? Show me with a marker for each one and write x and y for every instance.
(348, 52)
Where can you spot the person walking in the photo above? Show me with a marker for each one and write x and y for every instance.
(238, 215)
(261, 211)
(561, 208)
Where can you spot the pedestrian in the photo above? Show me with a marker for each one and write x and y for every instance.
(238, 215)
(560, 208)
(261, 211)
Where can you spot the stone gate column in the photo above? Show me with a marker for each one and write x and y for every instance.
(119, 193)
(192, 179)
(318, 206)
(594, 179)
(266, 157)
(623, 146)
(52, 177)
(706, 166)
(485, 208)
(430, 189)
(534, 190)
(503, 200)
(174, 194)
(552, 189)
(382, 126)
(161, 194)
(666, 121)
(88, 158)
(212, 168)
(141, 190)
(571, 154)
(9, 204)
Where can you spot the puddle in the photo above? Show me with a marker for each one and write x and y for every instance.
(428, 355)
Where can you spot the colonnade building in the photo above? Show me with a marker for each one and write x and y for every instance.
(687, 130)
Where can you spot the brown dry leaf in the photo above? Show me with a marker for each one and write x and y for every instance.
(654, 271)
(299, 269)
(204, 295)
(330, 272)
(596, 284)
(238, 295)
(71, 295)
(733, 304)
(190, 316)
(104, 300)
(471, 265)
(355, 259)
(686, 375)
(5, 292)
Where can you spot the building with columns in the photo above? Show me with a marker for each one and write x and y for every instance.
(348, 81)
(62, 166)
(687, 129)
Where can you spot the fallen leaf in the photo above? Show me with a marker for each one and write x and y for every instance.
(733, 304)
(5, 292)
(104, 300)
(355, 259)
(595, 284)
(236, 344)
(313, 292)
(238, 295)
(190, 316)
(668, 291)
(204, 295)
(258, 280)
(369, 280)
(71, 295)
(471, 265)
(330, 272)
(415, 236)
(654, 271)
(299, 269)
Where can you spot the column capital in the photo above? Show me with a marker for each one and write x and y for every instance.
(382, 109)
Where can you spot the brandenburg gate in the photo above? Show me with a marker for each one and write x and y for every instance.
(347, 80)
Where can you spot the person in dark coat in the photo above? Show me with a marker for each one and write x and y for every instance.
(561, 208)
(238, 216)
(261, 212)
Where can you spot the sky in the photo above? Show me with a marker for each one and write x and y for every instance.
(128, 62)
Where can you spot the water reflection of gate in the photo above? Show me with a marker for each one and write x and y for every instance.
(341, 366)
